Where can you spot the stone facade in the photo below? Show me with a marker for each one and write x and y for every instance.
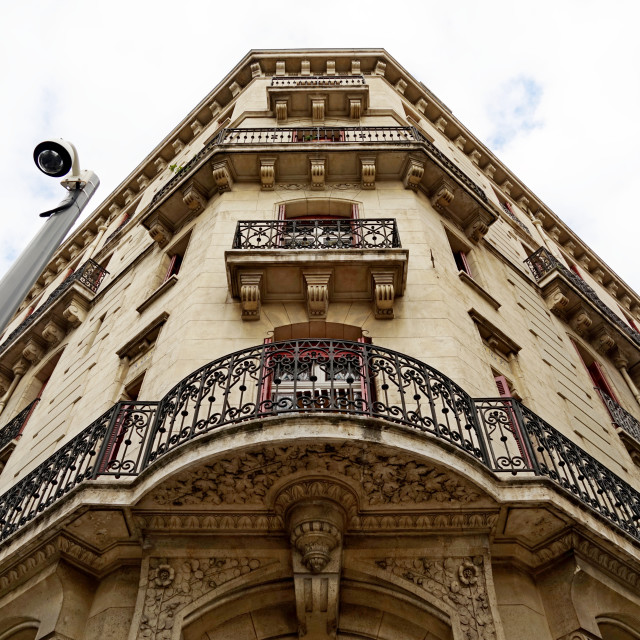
(345, 377)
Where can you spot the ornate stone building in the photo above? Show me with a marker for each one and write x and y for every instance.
(321, 367)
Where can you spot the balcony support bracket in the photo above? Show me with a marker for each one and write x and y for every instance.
(384, 294)
(250, 283)
(317, 293)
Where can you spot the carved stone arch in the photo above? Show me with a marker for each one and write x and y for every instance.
(613, 627)
(19, 629)
(317, 329)
(318, 206)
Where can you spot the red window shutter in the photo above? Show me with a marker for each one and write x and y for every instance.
(508, 205)
(266, 379)
(281, 210)
(503, 387)
(576, 271)
(461, 262)
(116, 437)
(355, 214)
(174, 266)
(599, 379)
(33, 407)
(367, 381)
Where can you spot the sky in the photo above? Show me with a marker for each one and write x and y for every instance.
(552, 88)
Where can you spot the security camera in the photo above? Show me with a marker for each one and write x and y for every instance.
(56, 158)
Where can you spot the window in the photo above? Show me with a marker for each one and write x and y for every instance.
(597, 375)
(629, 319)
(460, 253)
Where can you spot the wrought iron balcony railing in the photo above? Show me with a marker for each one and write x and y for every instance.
(90, 274)
(322, 377)
(290, 136)
(317, 81)
(14, 427)
(373, 233)
(542, 263)
(620, 416)
(515, 218)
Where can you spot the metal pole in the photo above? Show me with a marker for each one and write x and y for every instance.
(24, 272)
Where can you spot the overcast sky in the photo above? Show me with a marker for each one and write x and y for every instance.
(552, 89)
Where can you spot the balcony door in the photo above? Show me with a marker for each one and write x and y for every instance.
(318, 230)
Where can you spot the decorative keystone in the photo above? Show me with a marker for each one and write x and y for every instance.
(401, 86)
(441, 124)
(355, 108)
(250, 295)
(267, 173)
(317, 167)
(53, 333)
(459, 142)
(33, 351)
(281, 111)
(317, 295)
(222, 176)
(194, 197)
(475, 157)
(368, 173)
(442, 195)
(489, 171)
(383, 295)
(413, 174)
(160, 234)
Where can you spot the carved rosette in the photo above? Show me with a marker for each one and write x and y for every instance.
(442, 195)
(317, 168)
(194, 197)
(368, 173)
(413, 174)
(222, 176)
(267, 173)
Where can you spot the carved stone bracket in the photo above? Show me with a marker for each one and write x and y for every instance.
(442, 195)
(355, 108)
(267, 173)
(413, 174)
(315, 528)
(194, 197)
(281, 111)
(603, 340)
(441, 124)
(75, 312)
(317, 294)
(160, 233)
(250, 295)
(581, 321)
(53, 333)
(222, 176)
(557, 298)
(478, 226)
(318, 107)
(33, 351)
(20, 366)
(368, 173)
(384, 295)
(318, 173)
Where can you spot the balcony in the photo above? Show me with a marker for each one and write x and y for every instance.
(627, 426)
(316, 261)
(573, 300)
(332, 378)
(12, 430)
(318, 97)
(311, 158)
(66, 307)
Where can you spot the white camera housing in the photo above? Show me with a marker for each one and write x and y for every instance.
(56, 158)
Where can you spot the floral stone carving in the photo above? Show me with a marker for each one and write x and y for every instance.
(458, 582)
(247, 477)
(176, 582)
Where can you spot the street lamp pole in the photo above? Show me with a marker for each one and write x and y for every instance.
(54, 158)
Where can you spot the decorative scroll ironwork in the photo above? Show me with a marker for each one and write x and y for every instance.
(542, 262)
(331, 135)
(522, 225)
(322, 377)
(90, 274)
(111, 236)
(15, 426)
(620, 416)
(370, 233)
(317, 81)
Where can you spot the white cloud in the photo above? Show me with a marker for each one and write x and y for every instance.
(127, 72)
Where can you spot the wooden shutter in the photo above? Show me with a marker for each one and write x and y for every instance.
(266, 379)
(503, 387)
(576, 271)
(33, 407)
(599, 379)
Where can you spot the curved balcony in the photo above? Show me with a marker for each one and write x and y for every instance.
(323, 377)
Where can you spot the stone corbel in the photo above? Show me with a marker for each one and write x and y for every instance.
(318, 104)
(355, 68)
(160, 164)
(422, 105)
(317, 294)
(581, 321)
(222, 176)
(53, 333)
(479, 225)
(489, 171)
(75, 312)
(441, 124)
(318, 171)
(48, 276)
(87, 237)
(256, 70)
(196, 127)
(626, 301)
(612, 288)
(368, 173)
(603, 341)
(570, 246)
(598, 274)
(235, 89)
(74, 250)
(355, 108)
(214, 107)
(267, 173)
(383, 295)
(459, 142)
(194, 197)
(178, 146)
(557, 298)
(331, 67)
(20, 366)
(475, 157)
(61, 264)
(280, 67)
(584, 261)
(305, 68)
(401, 86)
(143, 182)
(250, 295)
(281, 111)
(316, 538)
(160, 233)
(128, 195)
(554, 233)
(442, 195)
(413, 174)
(380, 69)
(33, 351)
